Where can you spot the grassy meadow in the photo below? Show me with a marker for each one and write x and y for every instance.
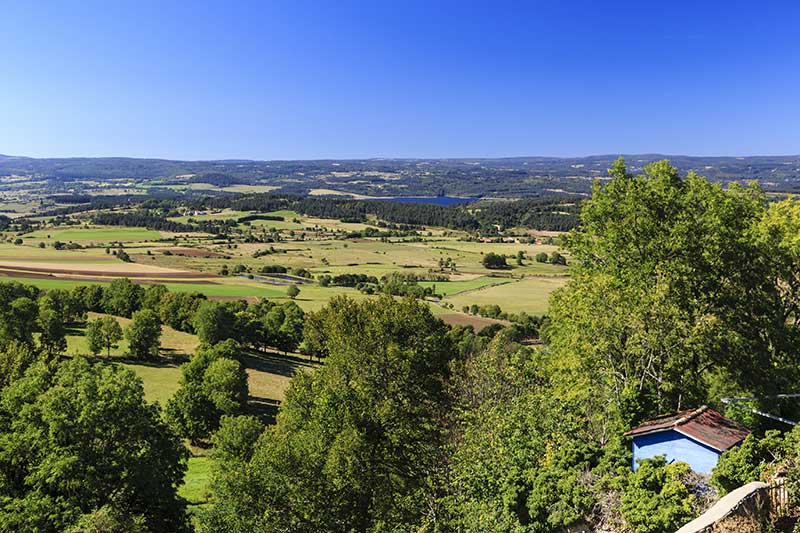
(314, 244)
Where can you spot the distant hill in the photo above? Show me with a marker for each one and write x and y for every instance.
(474, 177)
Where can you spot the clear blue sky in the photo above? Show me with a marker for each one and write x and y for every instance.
(339, 79)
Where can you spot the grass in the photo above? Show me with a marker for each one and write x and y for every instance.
(160, 378)
(449, 288)
(268, 374)
(196, 480)
(530, 295)
(224, 289)
(95, 234)
(229, 289)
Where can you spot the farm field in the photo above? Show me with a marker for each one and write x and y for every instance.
(449, 288)
(529, 295)
(193, 262)
(95, 234)
(370, 256)
(225, 289)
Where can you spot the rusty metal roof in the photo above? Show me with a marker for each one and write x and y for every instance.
(703, 425)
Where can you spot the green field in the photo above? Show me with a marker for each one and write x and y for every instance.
(95, 234)
(32, 252)
(449, 288)
(529, 295)
(226, 289)
(161, 377)
(313, 244)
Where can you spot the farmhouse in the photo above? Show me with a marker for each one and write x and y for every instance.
(695, 436)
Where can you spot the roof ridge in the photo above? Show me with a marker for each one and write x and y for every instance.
(694, 414)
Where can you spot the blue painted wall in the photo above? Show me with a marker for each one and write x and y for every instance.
(676, 447)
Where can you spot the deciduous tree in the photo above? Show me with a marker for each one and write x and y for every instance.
(144, 334)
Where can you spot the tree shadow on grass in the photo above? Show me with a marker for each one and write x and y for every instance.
(168, 358)
(75, 330)
(273, 363)
(264, 408)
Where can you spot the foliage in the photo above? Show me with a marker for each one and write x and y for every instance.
(671, 302)
(15, 358)
(519, 463)
(745, 463)
(144, 334)
(103, 333)
(213, 322)
(494, 261)
(53, 333)
(122, 297)
(658, 497)
(213, 384)
(78, 437)
(178, 309)
(109, 519)
(356, 441)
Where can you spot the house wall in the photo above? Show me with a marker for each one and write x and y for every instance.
(676, 447)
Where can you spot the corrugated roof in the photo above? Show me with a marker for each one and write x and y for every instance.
(704, 425)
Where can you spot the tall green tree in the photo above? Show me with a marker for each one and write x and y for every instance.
(52, 328)
(144, 334)
(15, 358)
(213, 384)
(357, 442)
(518, 459)
(153, 296)
(19, 324)
(77, 438)
(103, 334)
(122, 297)
(214, 322)
(672, 302)
(177, 309)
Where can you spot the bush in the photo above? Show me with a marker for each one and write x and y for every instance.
(658, 497)
(558, 259)
(494, 261)
(745, 463)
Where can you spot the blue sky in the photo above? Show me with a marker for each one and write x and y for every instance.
(304, 80)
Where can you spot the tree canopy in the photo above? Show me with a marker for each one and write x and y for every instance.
(356, 440)
(76, 438)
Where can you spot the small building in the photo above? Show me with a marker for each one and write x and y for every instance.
(695, 436)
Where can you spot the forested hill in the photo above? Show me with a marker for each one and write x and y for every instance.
(504, 177)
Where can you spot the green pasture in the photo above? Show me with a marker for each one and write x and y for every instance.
(448, 288)
(31, 252)
(226, 289)
(95, 234)
(530, 295)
